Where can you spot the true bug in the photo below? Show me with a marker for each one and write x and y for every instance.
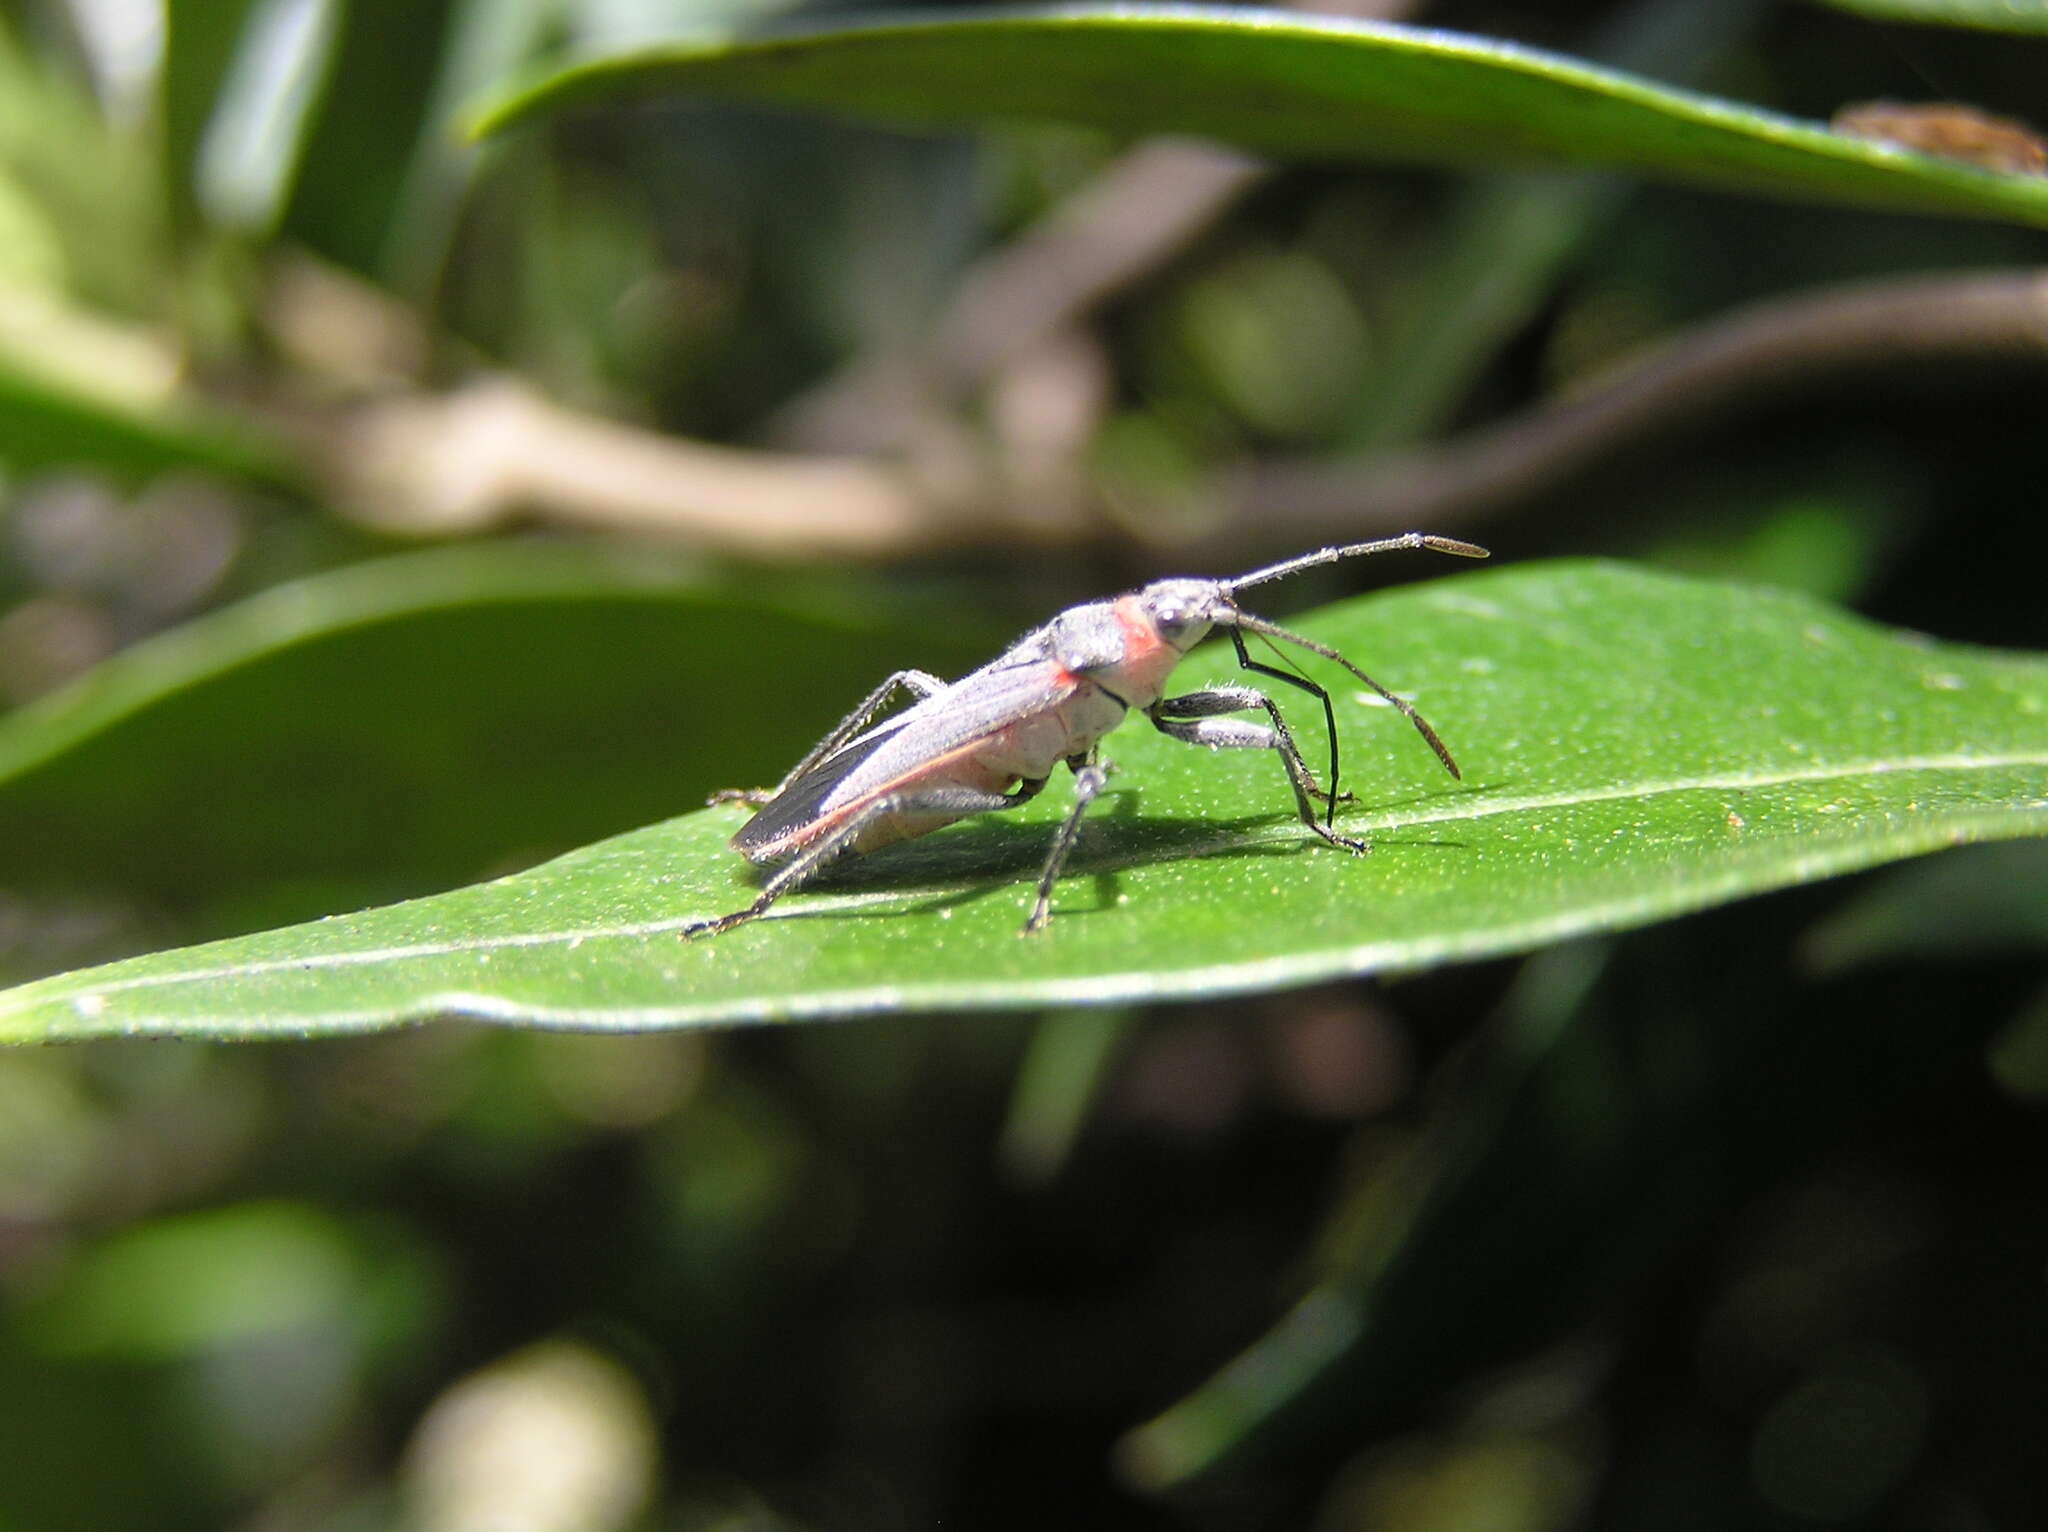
(989, 740)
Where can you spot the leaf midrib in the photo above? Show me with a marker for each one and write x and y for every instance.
(862, 998)
(1741, 781)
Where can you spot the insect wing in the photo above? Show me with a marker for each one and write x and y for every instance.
(1022, 683)
(801, 803)
(973, 708)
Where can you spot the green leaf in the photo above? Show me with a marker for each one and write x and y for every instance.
(195, 1281)
(1991, 899)
(406, 724)
(2018, 1059)
(201, 38)
(1634, 746)
(257, 128)
(1064, 1067)
(358, 139)
(1291, 86)
(486, 40)
(2023, 16)
(44, 424)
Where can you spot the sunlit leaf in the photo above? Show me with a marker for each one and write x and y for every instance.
(1634, 746)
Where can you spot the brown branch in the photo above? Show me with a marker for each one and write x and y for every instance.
(1767, 350)
(495, 450)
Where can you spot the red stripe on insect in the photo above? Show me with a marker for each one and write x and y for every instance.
(1140, 631)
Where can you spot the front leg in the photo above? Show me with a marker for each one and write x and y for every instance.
(1196, 719)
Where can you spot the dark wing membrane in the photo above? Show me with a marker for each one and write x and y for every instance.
(1021, 683)
(800, 802)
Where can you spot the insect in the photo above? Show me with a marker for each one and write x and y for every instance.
(989, 741)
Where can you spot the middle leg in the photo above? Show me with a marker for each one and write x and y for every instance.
(1090, 777)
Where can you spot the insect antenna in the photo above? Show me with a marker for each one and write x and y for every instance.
(1269, 630)
(1282, 656)
(1286, 567)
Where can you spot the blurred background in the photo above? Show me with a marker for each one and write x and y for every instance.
(380, 513)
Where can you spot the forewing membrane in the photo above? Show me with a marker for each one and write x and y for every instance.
(1021, 683)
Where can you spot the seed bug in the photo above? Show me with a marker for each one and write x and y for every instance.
(990, 740)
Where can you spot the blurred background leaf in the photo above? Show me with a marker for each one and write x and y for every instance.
(265, 761)
(1991, 900)
(1599, 1135)
(2020, 16)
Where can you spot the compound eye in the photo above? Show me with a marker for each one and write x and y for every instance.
(1182, 611)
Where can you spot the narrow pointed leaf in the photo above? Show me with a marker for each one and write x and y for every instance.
(2023, 16)
(257, 129)
(403, 724)
(1635, 745)
(1993, 899)
(44, 424)
(1287, 85)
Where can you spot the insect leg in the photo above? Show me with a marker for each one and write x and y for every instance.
(1259, 625)
(1195, 719)
(919, 683)
(1302, 683)
(1090, 777)
(807, 863)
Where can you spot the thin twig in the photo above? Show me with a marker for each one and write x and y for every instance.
(1764, 351)
(495, 450)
